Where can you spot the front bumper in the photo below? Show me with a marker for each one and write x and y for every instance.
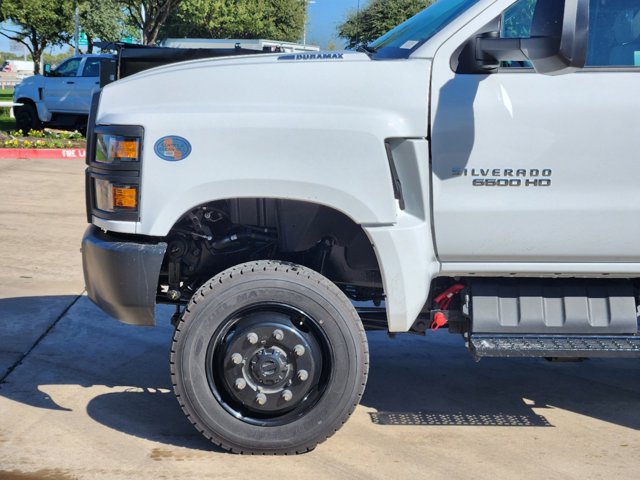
(122, 275)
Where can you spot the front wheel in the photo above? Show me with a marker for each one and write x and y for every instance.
(269, 358)
(27, 118)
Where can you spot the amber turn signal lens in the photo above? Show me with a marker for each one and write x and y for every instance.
(126, 149)
(125, 197)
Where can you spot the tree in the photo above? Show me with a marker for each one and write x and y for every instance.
(56, 59)
(104, 20)
(378, 18)
(149, 16)
(273, 19)
(38, 24)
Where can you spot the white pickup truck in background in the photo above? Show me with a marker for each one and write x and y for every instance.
(60, 97)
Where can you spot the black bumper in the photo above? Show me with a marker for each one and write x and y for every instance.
(122, 276)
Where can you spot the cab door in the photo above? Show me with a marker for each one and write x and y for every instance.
(87, 83)
(58, 90)
(535, 168)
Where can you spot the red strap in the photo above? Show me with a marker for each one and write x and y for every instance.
(444, 299)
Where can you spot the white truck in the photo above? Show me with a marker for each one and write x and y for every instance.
(475, 168)
(62, 96)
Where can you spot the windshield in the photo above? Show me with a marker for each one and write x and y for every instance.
(406, 37)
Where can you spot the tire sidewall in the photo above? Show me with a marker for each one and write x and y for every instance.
(27, 118)
(211, 312)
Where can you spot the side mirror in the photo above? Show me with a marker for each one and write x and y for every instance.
(46, 70)
(558, 42)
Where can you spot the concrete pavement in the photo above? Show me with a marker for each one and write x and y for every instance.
(85, 397)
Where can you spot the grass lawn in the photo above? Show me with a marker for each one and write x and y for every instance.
(6, 94)
(6, 122)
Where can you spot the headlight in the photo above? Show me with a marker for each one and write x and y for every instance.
(117, 148)
(115, 156)
(114, 197)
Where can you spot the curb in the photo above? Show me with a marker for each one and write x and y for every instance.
(43, 153)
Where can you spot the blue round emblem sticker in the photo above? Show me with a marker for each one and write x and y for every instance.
(172, 148)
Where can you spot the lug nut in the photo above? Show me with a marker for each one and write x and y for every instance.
(287, 395)
(299, 350)
(236, 358)
(278, 334)
(240, 383)
(261, 399)
(303, 375)
(252, 338)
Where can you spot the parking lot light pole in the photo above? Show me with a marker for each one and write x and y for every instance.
(304, 33)
(76, 32)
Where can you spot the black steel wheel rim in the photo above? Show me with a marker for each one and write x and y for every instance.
(269, 363)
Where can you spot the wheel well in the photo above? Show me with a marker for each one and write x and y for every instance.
(26, 101)
(217, 235)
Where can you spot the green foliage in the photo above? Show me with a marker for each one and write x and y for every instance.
(105, 20)
(38, 138)
(26, 143)
(57, 58)
(39, 23)
(155, 15)
(48, 134)
(273, 19)
(4, 56)
(6, 122)
(378, 18)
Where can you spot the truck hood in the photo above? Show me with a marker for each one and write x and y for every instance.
(32, 81)
(396, 91)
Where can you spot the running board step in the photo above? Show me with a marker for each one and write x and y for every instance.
(554, 346)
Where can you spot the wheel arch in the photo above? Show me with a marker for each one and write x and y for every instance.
(300, 225)
(26, 101)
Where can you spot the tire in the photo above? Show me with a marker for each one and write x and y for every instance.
(241, 336)
(27, 118)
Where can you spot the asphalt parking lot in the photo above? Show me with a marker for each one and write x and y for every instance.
(84, 397)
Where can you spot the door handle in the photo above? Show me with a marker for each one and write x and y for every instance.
(70, 82)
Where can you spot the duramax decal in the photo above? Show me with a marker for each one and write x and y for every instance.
(313, 56)
(506, 177)
(172, 148)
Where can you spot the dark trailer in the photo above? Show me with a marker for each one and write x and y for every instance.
(131, 58)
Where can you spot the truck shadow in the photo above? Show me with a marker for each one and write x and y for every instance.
(434, 381)
(413, 381)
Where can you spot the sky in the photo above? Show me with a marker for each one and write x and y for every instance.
(324, 18)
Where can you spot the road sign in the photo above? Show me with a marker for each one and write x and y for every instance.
(82, 40)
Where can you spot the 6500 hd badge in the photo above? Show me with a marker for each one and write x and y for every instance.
(506, 177)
